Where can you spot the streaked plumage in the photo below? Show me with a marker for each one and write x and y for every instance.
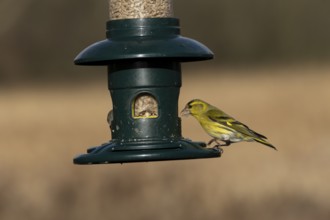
(221, 126)
(110, 118)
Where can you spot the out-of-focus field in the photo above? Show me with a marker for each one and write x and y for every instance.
(44, 127)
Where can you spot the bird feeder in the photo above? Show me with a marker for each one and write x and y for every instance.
(143, 52)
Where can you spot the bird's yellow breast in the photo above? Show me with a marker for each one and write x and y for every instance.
(215, 129)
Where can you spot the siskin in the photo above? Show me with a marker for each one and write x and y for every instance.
(110, 118)
(220, 126)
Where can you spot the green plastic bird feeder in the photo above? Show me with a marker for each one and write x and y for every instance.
(143, 52)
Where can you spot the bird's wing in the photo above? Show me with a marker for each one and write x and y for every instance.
(228, 121)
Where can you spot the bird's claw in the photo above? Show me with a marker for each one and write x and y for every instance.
(218, 148)
(218, 145)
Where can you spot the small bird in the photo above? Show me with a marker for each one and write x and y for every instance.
(110, 118)
(220, 126)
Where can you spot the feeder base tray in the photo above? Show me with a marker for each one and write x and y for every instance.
(143, 151)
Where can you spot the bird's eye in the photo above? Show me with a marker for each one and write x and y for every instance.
(189, 106)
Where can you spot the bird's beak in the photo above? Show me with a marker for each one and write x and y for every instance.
(185, 112)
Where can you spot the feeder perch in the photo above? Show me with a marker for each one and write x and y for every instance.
(143, 52)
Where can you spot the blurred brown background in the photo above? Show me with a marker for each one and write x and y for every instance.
(271, 71)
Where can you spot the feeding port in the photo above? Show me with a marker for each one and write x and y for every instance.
(145, 106)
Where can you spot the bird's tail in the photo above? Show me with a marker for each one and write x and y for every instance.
(262, 141)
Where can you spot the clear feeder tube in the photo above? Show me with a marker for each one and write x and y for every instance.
(130, 9)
